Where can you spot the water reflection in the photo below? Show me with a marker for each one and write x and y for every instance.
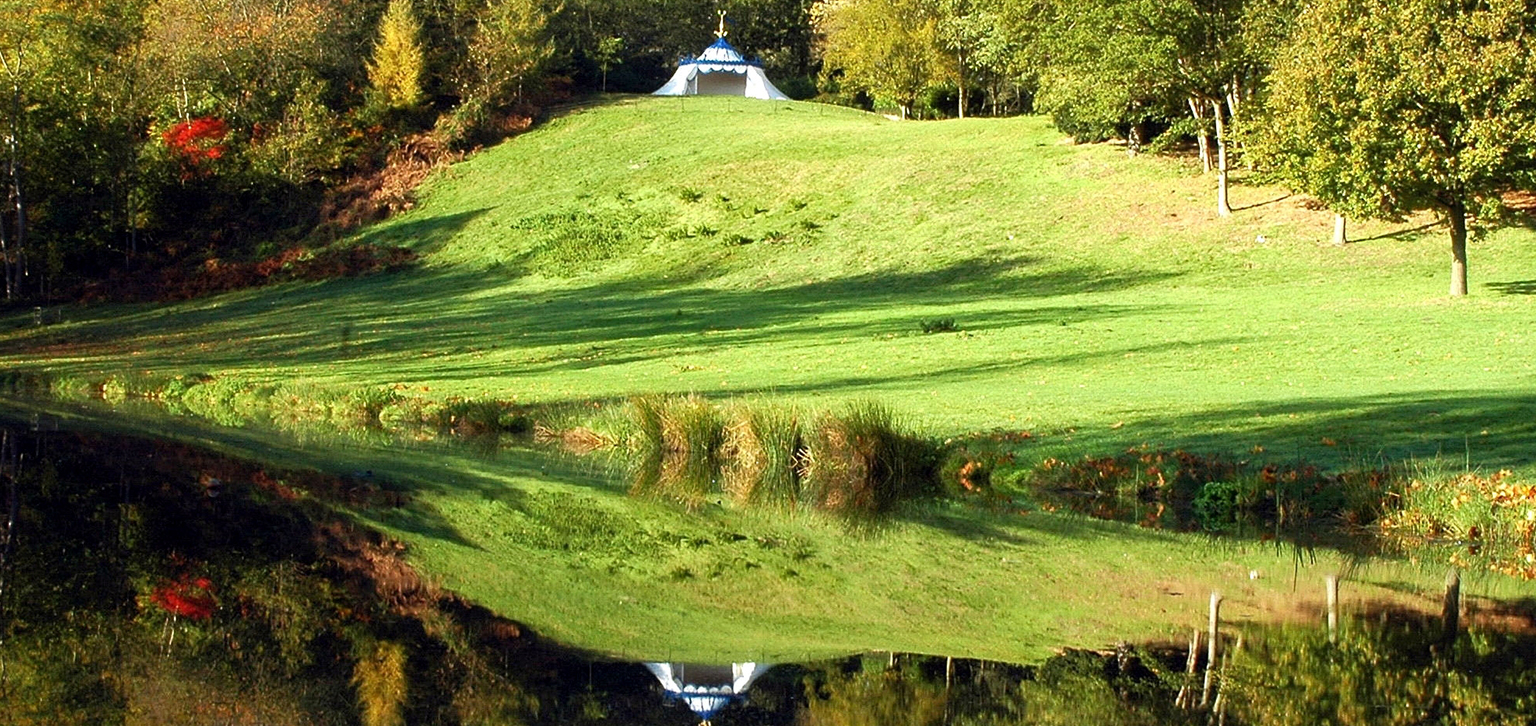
(133, 589)
(706, 689)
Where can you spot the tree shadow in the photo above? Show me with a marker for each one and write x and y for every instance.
(1399, 234)
(408, 320)
(1476, 429)
(1515, 287)
(423, 234)
(1265, 203)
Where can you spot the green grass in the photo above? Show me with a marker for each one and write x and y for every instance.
(1089, 291)
(799, 255)
(559, 545)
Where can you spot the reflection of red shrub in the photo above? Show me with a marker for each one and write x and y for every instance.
(197, 141)
(189, 598)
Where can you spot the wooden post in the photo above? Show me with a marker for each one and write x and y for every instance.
(1333, 608)
(1340, 238)
(949, 671)
(1186, 691)
(1210, 653)
(1452, 612)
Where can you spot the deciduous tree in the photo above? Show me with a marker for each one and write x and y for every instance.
(886, 47)
(1381, 108)
(397, 57)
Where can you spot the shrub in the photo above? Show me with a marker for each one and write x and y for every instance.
(940, 325)
(379, 676)
(1493, 516)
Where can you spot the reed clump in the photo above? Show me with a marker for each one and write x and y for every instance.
(852, 462)
(857, 462)
(760, 454)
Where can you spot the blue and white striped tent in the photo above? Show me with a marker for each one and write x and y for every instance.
(706, 688)
(721, 71)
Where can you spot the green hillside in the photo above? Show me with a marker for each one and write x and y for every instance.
(796, 253)
(732, 247)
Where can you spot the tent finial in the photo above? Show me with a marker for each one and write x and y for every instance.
(721, 32)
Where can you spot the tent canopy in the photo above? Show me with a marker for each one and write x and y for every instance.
(720, 71)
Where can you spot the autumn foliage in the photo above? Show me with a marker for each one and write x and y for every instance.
(197, 142)
(187, 597)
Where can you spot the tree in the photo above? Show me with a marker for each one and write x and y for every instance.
(887, 47)
(1381, 108)
(510, 46)
(397, 57)
(607, 55)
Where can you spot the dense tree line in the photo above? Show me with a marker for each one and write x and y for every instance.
(151, 133)
(145, 133)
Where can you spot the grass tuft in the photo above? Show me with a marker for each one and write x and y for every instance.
(759, 450)
(857, 462)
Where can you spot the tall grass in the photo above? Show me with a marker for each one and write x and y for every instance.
(856, 462)
(760, 454)
(674, 447)
(853, 462)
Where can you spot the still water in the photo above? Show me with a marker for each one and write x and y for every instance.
(149, 580)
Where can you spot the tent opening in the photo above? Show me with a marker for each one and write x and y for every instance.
(722, 83)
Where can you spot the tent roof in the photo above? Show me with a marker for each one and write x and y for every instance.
(719, 53)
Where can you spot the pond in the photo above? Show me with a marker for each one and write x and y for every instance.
(153, 579)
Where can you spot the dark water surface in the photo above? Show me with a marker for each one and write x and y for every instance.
(150, 580)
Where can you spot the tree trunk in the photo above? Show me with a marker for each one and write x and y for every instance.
(1200, 135)
(1223, 208)
(1340, 238)
(960, 74)
(16, 245)
(1457, 214)
(1133, 140)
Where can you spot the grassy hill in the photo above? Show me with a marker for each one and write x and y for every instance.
(728, 247)
(796, 252)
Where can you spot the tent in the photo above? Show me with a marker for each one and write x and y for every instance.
(706, 688)
(721, 71)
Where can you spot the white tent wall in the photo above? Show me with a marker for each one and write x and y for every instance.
(758, 86)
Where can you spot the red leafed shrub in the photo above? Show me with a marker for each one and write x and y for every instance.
(197, 141)
(190, 598)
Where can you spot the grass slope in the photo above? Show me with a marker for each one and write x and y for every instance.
(731, 247)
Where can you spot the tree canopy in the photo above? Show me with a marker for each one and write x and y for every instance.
(1380, 109)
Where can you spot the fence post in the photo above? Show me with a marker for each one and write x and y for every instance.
(1333, 608)
(1451, 614)
(1210, 653)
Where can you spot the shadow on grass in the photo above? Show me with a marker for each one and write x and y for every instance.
(405, 321)
(1516, 287)
(1399, 234)
(424, 235)
(1264, 203)
(1486, 430)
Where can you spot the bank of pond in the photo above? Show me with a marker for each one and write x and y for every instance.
(152, 581)
(860, 462)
